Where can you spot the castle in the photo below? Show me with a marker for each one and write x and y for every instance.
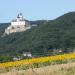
(18, 25)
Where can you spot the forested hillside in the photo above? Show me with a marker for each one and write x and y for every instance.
(54, 34)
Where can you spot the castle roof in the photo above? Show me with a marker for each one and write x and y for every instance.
(19, 18)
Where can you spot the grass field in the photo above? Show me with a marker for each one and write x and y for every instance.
(58, 69)
(51, 65)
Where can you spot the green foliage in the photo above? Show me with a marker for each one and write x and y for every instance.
(48, 35)
(2, 27)
(5, 59)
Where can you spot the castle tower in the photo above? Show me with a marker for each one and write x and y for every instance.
(20, 17)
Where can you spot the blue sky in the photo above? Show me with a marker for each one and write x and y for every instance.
(34, 9)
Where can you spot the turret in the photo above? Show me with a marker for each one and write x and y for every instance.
(20, 17)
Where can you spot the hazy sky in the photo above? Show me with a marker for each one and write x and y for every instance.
(34, 9)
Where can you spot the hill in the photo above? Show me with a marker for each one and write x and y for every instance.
(47, 37)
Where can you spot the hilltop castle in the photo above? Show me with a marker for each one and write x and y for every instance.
(18, 25)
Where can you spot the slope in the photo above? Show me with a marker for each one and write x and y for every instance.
(55, 34)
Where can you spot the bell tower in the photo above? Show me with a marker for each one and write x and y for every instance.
(20, 17)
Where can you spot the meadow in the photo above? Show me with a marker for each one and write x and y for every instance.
(36, 62)
(58, 69)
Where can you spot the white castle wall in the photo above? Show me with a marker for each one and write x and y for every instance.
(18, 23)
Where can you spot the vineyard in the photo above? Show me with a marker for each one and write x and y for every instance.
(36, 62)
